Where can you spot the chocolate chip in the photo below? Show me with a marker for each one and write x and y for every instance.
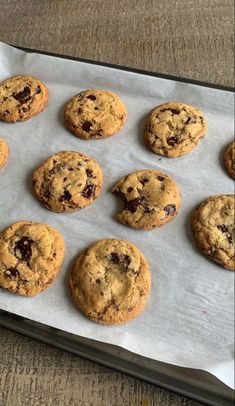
(23, 249)
(86, 126)
(6, 112)
(172, 141)
(96, 108)
(160, 178)
(12, 273)
(129, 190)
(47, 194)
(174, 111)
(65, 197)
(64, 179)
(79, 111)
(38, 90)
(143, 181)
(125, 262)
(133, 204)
(70, 169)
(114, 258)
(223, 228)
(98, 281)
(169, 209)
(21, 96)
(148, 209)
(91, 97)
(88, 191)
(89, 172)
(229, 239)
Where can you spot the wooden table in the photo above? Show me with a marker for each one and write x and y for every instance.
(190, 38)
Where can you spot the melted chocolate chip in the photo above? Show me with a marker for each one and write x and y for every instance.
(125, 262)
(89, 191)
(143, 181)
(148, 209)
(91, 97)
(86, 126)
(223, 228)
(160, 178)
(66, 196)
(38, 90)
(46, 194)
(129, 189)
(114, 258)
(21, 96)
(89, 172)
(133, 204)
(174, 111)
(23, 247)
(169, 209)
(172, 141)
(12, 273)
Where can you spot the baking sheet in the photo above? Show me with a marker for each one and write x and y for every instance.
(189, 318)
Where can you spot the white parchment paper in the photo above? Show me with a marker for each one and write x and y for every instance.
(189, 317)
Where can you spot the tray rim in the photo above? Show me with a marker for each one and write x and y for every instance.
(50, 336)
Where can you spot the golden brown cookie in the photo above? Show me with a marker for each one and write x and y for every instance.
(110, 281)
(213, 228)
(68, 181)
(95, 114)
(22, 97)
(151, 197)
(173, 129)
(30, 257)
(229, 159)
(4, 152)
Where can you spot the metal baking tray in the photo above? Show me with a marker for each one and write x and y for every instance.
(195, 384)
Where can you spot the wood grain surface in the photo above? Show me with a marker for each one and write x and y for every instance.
(188, 38)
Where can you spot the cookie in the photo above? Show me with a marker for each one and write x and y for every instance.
(21, 97)
(30, 257)
(95, 114)
(173, 129)
(4, 151)
(151, 198)
(229, 159)
(110, 281)
(67, 181)
(213, 228)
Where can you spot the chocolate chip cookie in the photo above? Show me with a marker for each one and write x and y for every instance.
(67, 181)
(213, 228)
(151, 199)
(4, 152)
(95, 114)
(229, 159)
(110, 281)
(173, 129)
(30, 257)
(22, 97)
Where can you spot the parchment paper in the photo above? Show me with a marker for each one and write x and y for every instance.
(189, 317)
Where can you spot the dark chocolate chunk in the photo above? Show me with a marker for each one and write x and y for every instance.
(169, 209)
(160, 178)
(175, 111)
(132, 205)
(143, 181)
(148, 209)
(91, 97)
(173, 141)
(66, 196)
(88, 191)
(12, 272)
(89, 172)
(23, 249)
(21, 96)
(38, 90)
(86, 126)
(223, 228)
(114, 258)
(129, 189)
